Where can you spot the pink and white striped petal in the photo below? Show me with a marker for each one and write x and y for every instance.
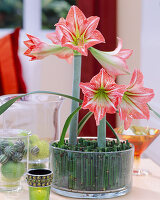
(135, 99)
(75, 17)
(114, 62)
(90, 26)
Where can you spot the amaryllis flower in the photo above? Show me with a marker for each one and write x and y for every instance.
(114, 62)
(79, 32)
(35, 45)
(135, 99)
(101, 95)
(38, 50)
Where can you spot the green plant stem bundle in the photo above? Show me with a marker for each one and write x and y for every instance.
(91, 171)
(75, 105)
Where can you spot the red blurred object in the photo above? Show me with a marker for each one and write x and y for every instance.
(106, 10)
(11, 80)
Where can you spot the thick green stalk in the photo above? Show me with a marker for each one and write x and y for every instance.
(75, 105)
(102, 133)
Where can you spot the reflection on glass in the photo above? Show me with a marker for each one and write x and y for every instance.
(52, 10)
(11, 13)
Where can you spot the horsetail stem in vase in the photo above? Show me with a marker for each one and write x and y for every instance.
(75, 105)
(102, 133)
(113, 131)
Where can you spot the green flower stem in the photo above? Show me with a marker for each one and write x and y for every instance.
(75, 105)
(83, 121)
(52, 49)
(102, 133)
(66, 125)
(156, 113)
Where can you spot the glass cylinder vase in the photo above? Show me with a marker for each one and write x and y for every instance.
(13, 158)
(95, 175)
(39, 113)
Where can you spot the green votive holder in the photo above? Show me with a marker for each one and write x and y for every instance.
(39, 182)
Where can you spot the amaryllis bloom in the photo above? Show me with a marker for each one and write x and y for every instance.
(38, 50)
(35, 45)
(79, 32)
(114, 62)
(101, 95)
(135, 99)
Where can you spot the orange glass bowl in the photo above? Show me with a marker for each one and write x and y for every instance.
(140, 142)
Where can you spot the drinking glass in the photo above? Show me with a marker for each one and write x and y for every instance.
(13, 158)
(141, 142)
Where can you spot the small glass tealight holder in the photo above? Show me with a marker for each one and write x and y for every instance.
(39, 182)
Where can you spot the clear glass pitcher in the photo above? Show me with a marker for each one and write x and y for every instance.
(39, 114)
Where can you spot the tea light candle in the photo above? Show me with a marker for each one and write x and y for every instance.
(39, 181)
(39, 193)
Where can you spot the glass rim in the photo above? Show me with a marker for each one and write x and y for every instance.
(59, 98)
(14, 132)
(157, 133)
(122, 151)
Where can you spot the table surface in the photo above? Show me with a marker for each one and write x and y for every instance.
(144, 187)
